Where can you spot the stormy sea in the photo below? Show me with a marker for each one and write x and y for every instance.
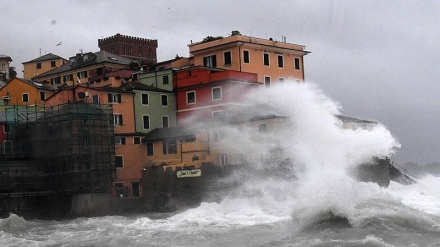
(314, 201)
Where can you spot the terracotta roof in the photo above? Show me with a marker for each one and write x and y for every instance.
(32, 83)
(139, 86)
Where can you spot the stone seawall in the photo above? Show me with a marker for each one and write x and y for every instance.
(57, 207)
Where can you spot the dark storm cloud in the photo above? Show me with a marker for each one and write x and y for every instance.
(377, 58)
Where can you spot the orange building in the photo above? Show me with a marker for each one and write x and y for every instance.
(42, 64)
(273, 61)
(130, 154)
(19, 91)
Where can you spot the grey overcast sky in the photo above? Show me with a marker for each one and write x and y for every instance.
(379, 59)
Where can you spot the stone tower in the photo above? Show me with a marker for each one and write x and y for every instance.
(134, 48)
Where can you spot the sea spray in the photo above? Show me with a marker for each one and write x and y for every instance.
(303, 196)
(320, 154)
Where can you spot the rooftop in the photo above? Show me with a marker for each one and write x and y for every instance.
(46, 57)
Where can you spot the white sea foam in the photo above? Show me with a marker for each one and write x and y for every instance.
(321, 150)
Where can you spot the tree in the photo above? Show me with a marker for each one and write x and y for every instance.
(210, 38)
(12, 72)
(236, 32)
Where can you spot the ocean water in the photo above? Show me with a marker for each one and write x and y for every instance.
(395, 216)
(321, 204)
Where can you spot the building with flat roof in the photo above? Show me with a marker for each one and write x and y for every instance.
(273, 61)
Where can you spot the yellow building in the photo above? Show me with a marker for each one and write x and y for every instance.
(210, 143)
(273, 61)
(41, 64)
(19, 91)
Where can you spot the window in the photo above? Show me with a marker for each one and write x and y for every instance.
(127, 51)
(246, 56)
(42, 96)
(53, 64)
(67, 78)
(220, 135)
(280, 61)
(169, 146)
(99, 71)
(266, 61)
(86, 143)
(117, 119)
(267, 81)
(227, 58)
(25, 97)
(297, 66)
(38, 65)
(165, 122)
(164, 100)
(217, 114)
(216, 93)
(54, 81)
(82, 74)
(114, 98)
(146, 122)
(281, 80)
(119, 140)
(223, 159)
(150, 150)
(95, 99)
(262, 128)
(165, 80)
(6, 128)
(145, 99)
(7, 147)
(136, 140)
(210, 61)
(119, 161)
(120, 189)
(191, 97)
(135, 189)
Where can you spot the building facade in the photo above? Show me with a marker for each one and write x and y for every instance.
(85, 68)
(133, 48)
(42, 64)
(272, 61)
(19, 91)
(204, 93)
(4, 67)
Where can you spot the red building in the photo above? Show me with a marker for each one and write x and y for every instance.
(134, 48)
(205, 93)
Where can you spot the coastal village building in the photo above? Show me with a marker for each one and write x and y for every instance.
(4, 67)
(42, 64)
(133, 48)
(272, 61)
(19, 91)
(83, 68)
(148, 100)
(204, 93)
